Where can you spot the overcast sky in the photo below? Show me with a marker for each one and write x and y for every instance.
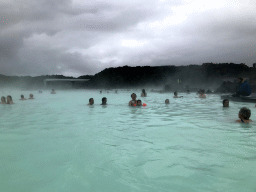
(83, 37)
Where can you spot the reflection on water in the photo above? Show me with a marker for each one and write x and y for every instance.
(59, 143)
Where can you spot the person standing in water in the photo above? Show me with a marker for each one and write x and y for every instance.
(31, 96)
(3, 100)
(9, 100)
(104, 101)
(91, 101)
(133, 101)
(53, 92)
(143, 94)
(22, 97)
(244, 115)
(225, 103)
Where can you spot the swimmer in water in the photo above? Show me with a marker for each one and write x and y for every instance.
(53, 92)
(225, 103)
(133, 101)
(115, 91)
(176, 95)
(139, 103)
(143, 94)
(91, 101)
(201, 94)
(188, 92)
(244, 115)
(3, 100)
(100, 91)
(104, 101)
(31, 96)
(22, 97)
(167, 101)
(9, 100)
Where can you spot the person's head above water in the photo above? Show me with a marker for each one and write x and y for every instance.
(133, 96)
(139, 103)
(22, 96)
(244, 113)
(143, 91)
(31, 95)
(104, 101)
(175, 93)
(225, 103)
(91, 101)
(240, 79)
(167, 101)
(3, 99)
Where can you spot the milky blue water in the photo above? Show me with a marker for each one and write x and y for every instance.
(59, 143)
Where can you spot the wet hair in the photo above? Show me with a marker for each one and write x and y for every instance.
(167, 100)
(104, 98)
(201, 90)
(10, 99)
(175, 93)
(143, 91)
(224, 101)
(22, 96)
(132, 94)
(138, 101)
(31, 95)
(90, 99)
(245, 112)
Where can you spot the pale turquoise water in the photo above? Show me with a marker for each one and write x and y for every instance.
(58, 143)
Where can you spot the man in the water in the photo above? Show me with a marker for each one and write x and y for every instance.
(104, 101)
(91, 101)
(31, 96)
(244, 88)
(3, 100)
(53, 92)
(22, 97)
(244, 115)
(167, 101)
(133, 101)
(225, 103)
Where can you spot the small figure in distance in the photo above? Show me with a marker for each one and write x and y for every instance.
(167, 101)
(3, 100)
(31, 96)
(22, 97)
(100, 91)
(225, 103)
(201, 94)
(143, 94)
(115, 91)
(139, 103)
(104, 101)
(133, 101)
(40, 91)
(188, 92)
(53, 92)
(176, 95)
(244, 115)
(91, 101)
(9, 100)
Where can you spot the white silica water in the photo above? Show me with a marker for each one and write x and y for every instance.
(58, 143)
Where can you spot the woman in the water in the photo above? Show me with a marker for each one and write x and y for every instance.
(143, 94)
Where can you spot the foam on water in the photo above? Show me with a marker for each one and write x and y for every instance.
(59, 143)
